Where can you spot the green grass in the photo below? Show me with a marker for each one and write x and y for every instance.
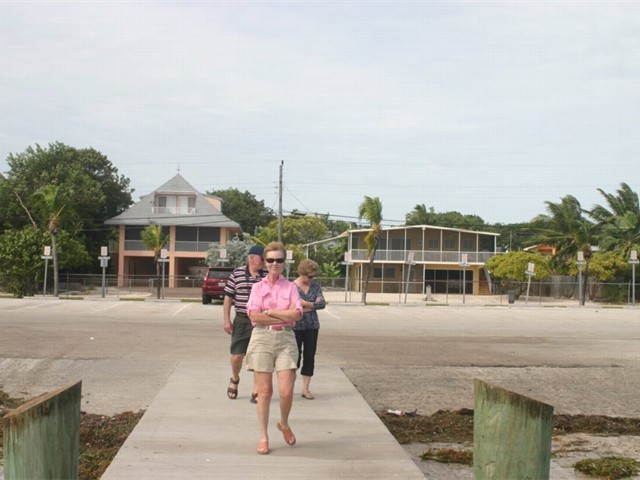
(609, 467)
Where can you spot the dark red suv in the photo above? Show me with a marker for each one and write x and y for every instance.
(213, 283)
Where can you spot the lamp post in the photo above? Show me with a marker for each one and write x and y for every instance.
(580, 264)
(633, 260)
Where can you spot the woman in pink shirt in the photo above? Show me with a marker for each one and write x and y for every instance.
(273, 308)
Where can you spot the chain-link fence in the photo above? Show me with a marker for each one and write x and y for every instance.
(557, 287)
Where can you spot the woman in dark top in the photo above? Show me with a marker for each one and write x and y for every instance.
(306, 330)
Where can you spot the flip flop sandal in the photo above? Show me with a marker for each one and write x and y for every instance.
(263, 448)
(254, 398)
(288, 435)
(232, 393)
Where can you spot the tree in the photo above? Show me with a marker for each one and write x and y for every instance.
(295, 230)
(570, 232)
(513, 265)
(603, 267)
(88, 184)
(420, 216)
(51, 204)
(153, 238)
(620, 222)
(244, 208)
(20, 262)
(237, 250)
(371, 210)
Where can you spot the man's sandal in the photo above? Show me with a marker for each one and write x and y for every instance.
(232, 393)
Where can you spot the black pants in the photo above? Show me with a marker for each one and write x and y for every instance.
(307, 343)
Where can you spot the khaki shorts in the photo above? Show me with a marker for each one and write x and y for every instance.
(271, 350)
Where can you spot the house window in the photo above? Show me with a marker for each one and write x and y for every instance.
(486, 244)
(399, 244)
(162, 202)
(133, 233)
(386, 272)
(449, 244)
(434, 244)
(467, 245)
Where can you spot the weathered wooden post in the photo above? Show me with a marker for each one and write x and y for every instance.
(511, 435)
(42, 436)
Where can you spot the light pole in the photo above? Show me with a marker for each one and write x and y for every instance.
(580, 263)
(633, 260)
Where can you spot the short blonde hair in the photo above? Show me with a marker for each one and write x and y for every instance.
(307, 266)
(274, 247)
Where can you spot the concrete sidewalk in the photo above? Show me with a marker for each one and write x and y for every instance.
(192, 430)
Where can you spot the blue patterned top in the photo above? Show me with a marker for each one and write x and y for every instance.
(310, 319)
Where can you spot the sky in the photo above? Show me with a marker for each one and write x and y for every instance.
(484, 108)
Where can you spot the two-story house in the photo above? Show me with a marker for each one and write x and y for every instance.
(412, 257)
(191, 219)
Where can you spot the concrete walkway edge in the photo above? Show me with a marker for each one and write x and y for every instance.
(192, 430)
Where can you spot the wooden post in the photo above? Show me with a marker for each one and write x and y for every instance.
(511, 435)
(42, 436)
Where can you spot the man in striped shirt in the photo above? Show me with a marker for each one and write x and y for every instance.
(236, 292)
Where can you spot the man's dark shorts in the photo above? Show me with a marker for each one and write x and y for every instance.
(241, 335)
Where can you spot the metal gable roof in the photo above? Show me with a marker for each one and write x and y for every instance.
(141, 213)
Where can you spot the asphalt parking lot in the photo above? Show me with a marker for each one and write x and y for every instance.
(580, 360)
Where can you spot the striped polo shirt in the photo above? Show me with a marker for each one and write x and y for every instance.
(239, 286)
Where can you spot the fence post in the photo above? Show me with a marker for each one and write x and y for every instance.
(511, 435)
(42, 436)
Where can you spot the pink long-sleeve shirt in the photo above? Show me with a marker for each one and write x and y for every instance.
(280, 296)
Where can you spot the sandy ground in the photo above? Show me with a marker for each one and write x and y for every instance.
(402, 356)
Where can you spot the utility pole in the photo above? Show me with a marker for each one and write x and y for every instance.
(280, 203)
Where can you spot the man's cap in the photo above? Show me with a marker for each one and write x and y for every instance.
(256, 250)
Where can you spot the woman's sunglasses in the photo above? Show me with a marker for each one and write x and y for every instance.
(277, 260)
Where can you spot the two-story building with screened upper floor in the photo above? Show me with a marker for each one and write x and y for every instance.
(410, 258)
(192, 220)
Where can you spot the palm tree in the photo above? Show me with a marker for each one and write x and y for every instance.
(420, 216)
(371, 210)
(154, 239)
(567, 229)
(52, 202)
(620, 222)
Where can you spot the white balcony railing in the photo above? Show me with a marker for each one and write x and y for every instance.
(174, 210)
(420, 256)
(181, 246)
